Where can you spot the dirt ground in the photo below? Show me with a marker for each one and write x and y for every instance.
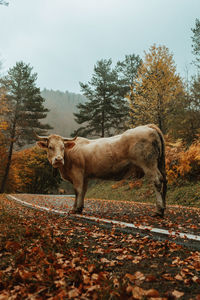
(47, 256)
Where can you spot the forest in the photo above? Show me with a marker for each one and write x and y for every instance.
(134, 92)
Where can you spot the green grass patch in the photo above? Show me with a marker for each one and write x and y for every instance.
(187, 194)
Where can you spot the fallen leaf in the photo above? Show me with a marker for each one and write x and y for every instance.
(73, 293)
(177, 294)
(152, 293)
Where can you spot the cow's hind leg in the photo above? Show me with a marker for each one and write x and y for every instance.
(159, 182)
(160, 199)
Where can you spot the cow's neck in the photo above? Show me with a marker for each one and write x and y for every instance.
(65, 173)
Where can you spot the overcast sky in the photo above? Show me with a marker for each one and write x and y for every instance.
(63, 39)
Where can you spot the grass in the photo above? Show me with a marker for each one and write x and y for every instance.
(187, 194)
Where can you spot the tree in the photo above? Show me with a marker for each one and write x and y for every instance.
(26, 109)
(3, 128)
(192, 112)
(127, 71)
(106, 110)
(196, 41)
(156, 89)
(2, 2)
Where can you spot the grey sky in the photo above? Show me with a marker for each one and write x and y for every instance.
(63, 39)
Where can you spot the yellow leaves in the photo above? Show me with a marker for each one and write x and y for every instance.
(155, 88)
(180, 161)
(3, 125)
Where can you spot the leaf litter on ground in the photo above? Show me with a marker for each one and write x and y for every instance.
(51, 256)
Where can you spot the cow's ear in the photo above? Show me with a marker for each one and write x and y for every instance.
(42, 144)
(69, 144)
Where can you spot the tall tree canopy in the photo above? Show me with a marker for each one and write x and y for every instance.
(26, 109)
(196, 42)
(156, 89)
(106, 111)
(192, 112)
(127, 72)
(2, 2)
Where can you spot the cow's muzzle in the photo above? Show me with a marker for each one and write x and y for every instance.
(58, 162)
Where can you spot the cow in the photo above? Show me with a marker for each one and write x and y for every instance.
(136, 152)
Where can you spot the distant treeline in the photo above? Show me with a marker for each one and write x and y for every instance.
(61, 106)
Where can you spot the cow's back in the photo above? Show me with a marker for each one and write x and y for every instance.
(104, 157)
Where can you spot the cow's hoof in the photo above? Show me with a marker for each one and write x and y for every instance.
(72, 211)
(158, 215)
(76, 210)
(79, 210)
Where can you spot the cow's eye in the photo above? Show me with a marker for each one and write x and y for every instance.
(50, 148)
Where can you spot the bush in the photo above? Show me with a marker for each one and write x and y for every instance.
(183, 163)
(32, 173)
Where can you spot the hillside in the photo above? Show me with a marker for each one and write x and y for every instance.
(62, 105)
(187, 194)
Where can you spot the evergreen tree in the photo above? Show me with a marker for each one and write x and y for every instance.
(196, 41)
(192, 112)
(105, 111)
(127, 71)
(2, 2)
(25, 109)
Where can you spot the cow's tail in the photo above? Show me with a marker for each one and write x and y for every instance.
(161, 159)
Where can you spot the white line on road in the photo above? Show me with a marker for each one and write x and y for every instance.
(123, 224)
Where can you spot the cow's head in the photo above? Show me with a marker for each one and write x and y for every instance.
(55, 146)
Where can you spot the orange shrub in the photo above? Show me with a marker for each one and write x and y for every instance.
(31, 172)
(182, 162)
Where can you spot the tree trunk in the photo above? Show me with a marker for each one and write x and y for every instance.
(102, 124)
(3, 184)
(160, 114)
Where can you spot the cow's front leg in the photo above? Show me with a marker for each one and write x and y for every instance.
(80, 187)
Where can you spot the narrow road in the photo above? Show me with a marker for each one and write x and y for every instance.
(180, 224)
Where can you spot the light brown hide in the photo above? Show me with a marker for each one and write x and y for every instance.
(136, 152)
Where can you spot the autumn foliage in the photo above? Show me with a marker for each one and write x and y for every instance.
(155, 90)
(182, 162)
(31, 172)
(3, 127)
(47, 256)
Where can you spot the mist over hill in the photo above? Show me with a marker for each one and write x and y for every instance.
(62, 105)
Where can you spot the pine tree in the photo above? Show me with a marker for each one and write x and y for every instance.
(155, 90)
(196, 42)
(105, 111)
(127, 71)
(192, 112)
(2, 2)
(26, 109)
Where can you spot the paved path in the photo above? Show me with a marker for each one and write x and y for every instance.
(180, 223)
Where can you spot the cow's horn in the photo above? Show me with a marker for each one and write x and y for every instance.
(40, 138)
(67, 139)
